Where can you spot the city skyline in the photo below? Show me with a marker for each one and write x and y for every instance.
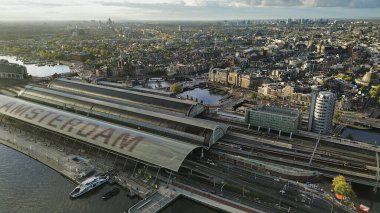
(37, 10)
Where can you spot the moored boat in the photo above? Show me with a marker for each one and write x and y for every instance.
(88, 185)
(111, 193)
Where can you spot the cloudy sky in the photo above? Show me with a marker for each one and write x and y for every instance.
(18, 10)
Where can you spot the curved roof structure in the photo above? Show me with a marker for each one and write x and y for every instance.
(184, 107)
(157, 150)
(138, 89)
(199, 131)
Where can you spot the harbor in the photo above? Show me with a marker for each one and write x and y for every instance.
(39, 188)
(75, 167)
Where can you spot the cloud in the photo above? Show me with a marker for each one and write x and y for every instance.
(185, 9)
(305, 3)
(160, 3)
(39, 3)
(199, 3)
(195, 3)
(264, 3)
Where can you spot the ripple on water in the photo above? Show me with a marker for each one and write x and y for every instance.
(29, 186)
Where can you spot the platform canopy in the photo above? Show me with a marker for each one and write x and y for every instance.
(183, 107)
(157, 150)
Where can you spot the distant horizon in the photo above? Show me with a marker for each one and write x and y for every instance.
(189, 20)
(188, 10)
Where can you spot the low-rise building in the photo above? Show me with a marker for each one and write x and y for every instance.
(370, 78)
(236, 78)
(344, 104)
(300, 100)
(276, 90)
(274, 118)
(218, 75)
(253, 81)
(12, 71)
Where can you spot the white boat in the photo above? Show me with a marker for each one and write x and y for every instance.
(88, 185)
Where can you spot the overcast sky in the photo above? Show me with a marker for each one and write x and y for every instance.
(18, 10)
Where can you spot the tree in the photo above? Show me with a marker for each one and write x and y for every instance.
(344, 77)
(336, 116)
(345, 189)
(342, 187)
(253, 95)
(176, 88)
(338, 179)
(375, 92)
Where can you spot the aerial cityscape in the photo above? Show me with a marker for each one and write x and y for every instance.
(190, 106)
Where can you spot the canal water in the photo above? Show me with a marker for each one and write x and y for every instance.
(205, 95)
(154, 84)
(368, 136)
(39, 71)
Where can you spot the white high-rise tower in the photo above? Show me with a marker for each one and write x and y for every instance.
(323, 112)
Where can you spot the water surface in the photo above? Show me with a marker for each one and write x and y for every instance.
(369, 136)
(26, 185)
(203, 95)
(39, 71)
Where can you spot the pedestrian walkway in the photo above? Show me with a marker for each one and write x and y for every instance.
(42, 152)
(213, 200)
(156, 202)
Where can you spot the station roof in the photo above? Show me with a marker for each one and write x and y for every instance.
(173, 104)
(119, 102)
(157, 150)
(59, 96)
(137, 88)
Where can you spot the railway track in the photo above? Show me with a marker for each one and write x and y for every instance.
(265, 186)
(292, 155)
(356, 175)
(355, 162)
(302, 146)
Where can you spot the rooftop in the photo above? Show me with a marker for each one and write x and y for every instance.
(185, 107)
(157, 150)
(290, 112)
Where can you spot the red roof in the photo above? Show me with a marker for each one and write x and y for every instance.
(339, 197)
